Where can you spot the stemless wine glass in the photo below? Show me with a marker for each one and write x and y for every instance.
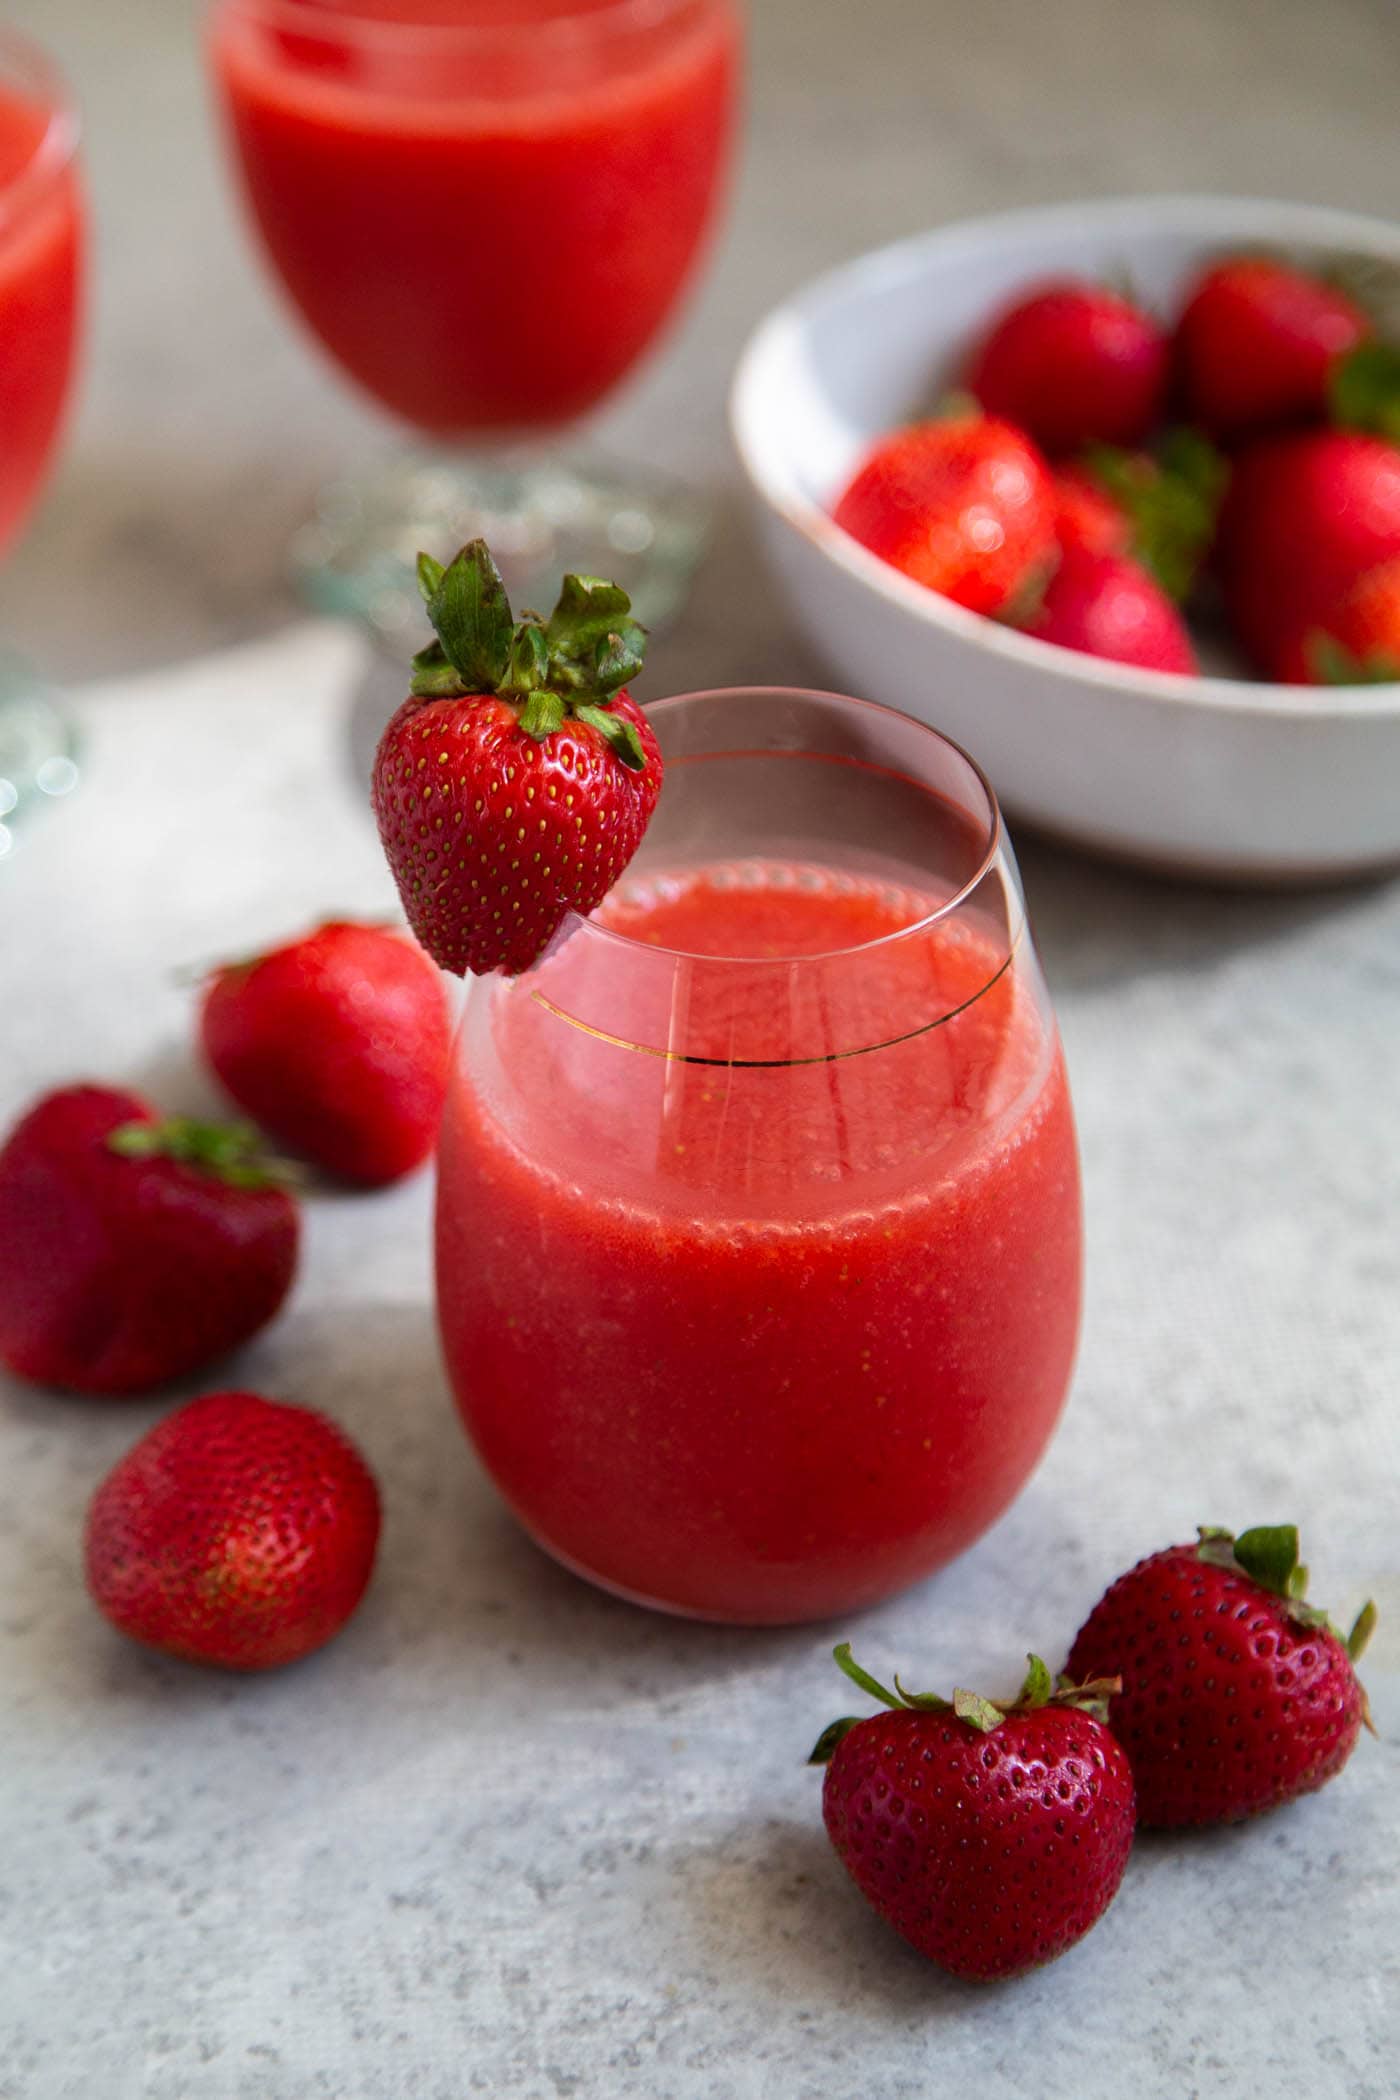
(41, 234)
(484, 210)
(758, 1238)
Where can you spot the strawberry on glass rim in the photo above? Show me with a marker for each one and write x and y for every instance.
(514, 784)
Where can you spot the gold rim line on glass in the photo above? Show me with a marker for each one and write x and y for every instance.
(305, 18)
(996, 838)
(782, 1064)
(28, 64)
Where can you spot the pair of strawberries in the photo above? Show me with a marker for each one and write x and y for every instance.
(1046, 503)
(1201, 1689)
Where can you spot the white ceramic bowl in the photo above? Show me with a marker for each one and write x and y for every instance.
(1210, 776)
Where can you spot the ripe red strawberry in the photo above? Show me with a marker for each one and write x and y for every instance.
(1106, 606)
(965, 505)
(1360, 643)
(1159, 507)
(1087, 519)
(338, 1045)
(990, 1836)
(1257, 343)
(1074, 364)
(134, 1250)
(515, 784)
(1304, 519)
(1236, 1695)
(238, 1531)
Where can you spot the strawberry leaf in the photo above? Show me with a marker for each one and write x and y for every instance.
(1268, 1553)
(1171, 502)
(1038, 1685)
(591, 617)
(1365, 390)
(471, 616)
(926, 1702)
(527, 667)
(430, 575)
(542, 713)
(1333, 664)
(847, 1662)
(618, 659)
(831, 1736)
(1363, 1626)
(617, 732)
(434, 678)
(980, 1713)
(228, 1152)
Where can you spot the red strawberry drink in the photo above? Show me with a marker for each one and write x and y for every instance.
(41, 241)
(759, 1230)
(485, 210)
(40, 235)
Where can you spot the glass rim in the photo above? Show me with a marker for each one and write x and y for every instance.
(55, 152)
(577, 926)
(572, 25)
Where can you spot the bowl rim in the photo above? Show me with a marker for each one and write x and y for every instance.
(1213, 218)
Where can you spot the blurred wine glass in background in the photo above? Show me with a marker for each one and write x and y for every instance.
(41, 255)
(485, 211)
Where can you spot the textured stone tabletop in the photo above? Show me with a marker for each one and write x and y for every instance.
(506, 1836)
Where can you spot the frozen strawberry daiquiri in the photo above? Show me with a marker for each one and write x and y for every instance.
(485, 210)
(758, 1233)
(40, 257)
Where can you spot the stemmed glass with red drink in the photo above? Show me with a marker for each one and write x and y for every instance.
(41, 234)
(485, 211)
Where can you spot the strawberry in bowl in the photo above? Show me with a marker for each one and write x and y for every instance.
(1120, 746)
(1074, 364)
(963, 505)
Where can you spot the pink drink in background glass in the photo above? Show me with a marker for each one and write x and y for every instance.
(41, 261)
(485, 211)
(40, 251)
(485, 229)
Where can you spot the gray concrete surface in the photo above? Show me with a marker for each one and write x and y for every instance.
(507, 1837)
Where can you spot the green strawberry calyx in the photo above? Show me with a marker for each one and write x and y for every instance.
(1364, 389)
(1038, 1689)
(229, 1152)
(1268, 1555)
(1171, 499)
(574, 664)
(1331, 663)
